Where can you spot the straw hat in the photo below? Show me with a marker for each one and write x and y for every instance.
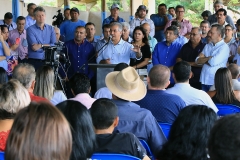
(126, 84)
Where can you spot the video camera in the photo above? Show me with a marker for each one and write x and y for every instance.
(59, 19)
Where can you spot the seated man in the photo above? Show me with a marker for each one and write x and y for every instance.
(126, 86)
(118, 50)
(181, 74)
(105, 118)
(234, 69)
(80, 87)
(8, 17)
(26, 74)
(164, 107)
(224, 140)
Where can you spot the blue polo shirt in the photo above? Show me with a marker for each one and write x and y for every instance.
(67, 28)
(165, 107)
(110, 19)
(37, 36)
(3, 63)
(166, 55)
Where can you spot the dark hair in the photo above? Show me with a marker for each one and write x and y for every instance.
(162, 4)
(159, 75)
(79, 27)
(3, 76)
(238, 22)
(3, 27)
(189, 133)
(206, 22)
(120, 66)
(145, 38)
(103, 112)
(39, 131)
(220, 29)
(229, 25)
(174, 29)
(222, 10)
(224, 139)
(89, 24)
(105, 26)
(19, 18)
(182, 71)
(81, 127)
(8, 15)
(176, 23)
(223, 85)
(67, 9)
(171, 8)
(79, 83)
(206, 13)
(179, 6)
(30, 5)
(233, 68)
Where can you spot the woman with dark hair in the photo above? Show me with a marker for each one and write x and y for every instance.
(40, 132)
(4, 47)
(140, 39)
(189, 134)
(82, 129)
(224, 93)
(3, 76)
(44, 86)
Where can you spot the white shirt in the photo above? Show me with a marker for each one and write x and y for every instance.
(220, 53)
(58, 97)
(191, 95)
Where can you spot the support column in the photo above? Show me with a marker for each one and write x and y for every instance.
(151, 4)
(66, 4)
(132, 12)
(104, 13)
(15, 9)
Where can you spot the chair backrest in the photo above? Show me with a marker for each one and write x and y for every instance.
(2, 155)
(149, 152)
(165, 128)
(226, 109)
(112, 156)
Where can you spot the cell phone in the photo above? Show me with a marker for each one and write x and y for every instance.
(238, 35)
(17, 40)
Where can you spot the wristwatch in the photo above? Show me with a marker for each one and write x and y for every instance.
(42, 45)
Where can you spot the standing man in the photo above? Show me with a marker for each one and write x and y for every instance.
(90, 29)
(39, 35)
(114, 17)
(68, 27)
(186, 25)
(142, 13)
(189, 53)
(30, 20)
(213, 18)
(8, 21)
(166, 52)
(66, 14)
(171, 11)
(205, 27)
(18, 40)
(160, 20)
(106, 37)
(221, 17)
(118, 50)
(214, 56)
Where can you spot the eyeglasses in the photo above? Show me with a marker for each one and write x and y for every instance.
(193, 34)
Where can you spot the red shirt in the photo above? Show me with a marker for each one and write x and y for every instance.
(37, 98)
(3, 140)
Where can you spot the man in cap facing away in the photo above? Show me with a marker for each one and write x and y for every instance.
(114, 17)
(126, 86)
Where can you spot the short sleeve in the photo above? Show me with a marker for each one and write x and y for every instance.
(146, 51)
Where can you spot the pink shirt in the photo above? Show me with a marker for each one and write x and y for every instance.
(22, 49)
(186, 26)
(85, 99)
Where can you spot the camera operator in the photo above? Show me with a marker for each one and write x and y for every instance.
(39, 35)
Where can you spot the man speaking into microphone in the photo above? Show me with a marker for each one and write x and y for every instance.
(118, 50)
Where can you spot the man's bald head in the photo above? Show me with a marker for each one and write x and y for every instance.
(147, 28)
(234, 69)
(159, 76)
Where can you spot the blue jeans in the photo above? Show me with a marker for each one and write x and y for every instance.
(206, 87)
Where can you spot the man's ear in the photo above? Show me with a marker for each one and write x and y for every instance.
(115, 122)
(33, 85)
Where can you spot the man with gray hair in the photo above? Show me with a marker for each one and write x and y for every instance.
(189, 53)
(25, 74)
(39, 35)
(214, 56)
(117, 50)
(213, 18)
(126, 31)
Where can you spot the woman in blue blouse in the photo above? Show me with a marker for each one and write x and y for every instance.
(4, 48)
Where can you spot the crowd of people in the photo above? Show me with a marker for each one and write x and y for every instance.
(188, 70)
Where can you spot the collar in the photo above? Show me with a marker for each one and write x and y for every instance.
(218, 43)
(39, 27)
(182, 85)
(165, 42)
(111, 18)
(140, 19)
(119, 43)
(184, 20)
(78, 43)
(94, 40)
(190, 43)
(83, 95)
